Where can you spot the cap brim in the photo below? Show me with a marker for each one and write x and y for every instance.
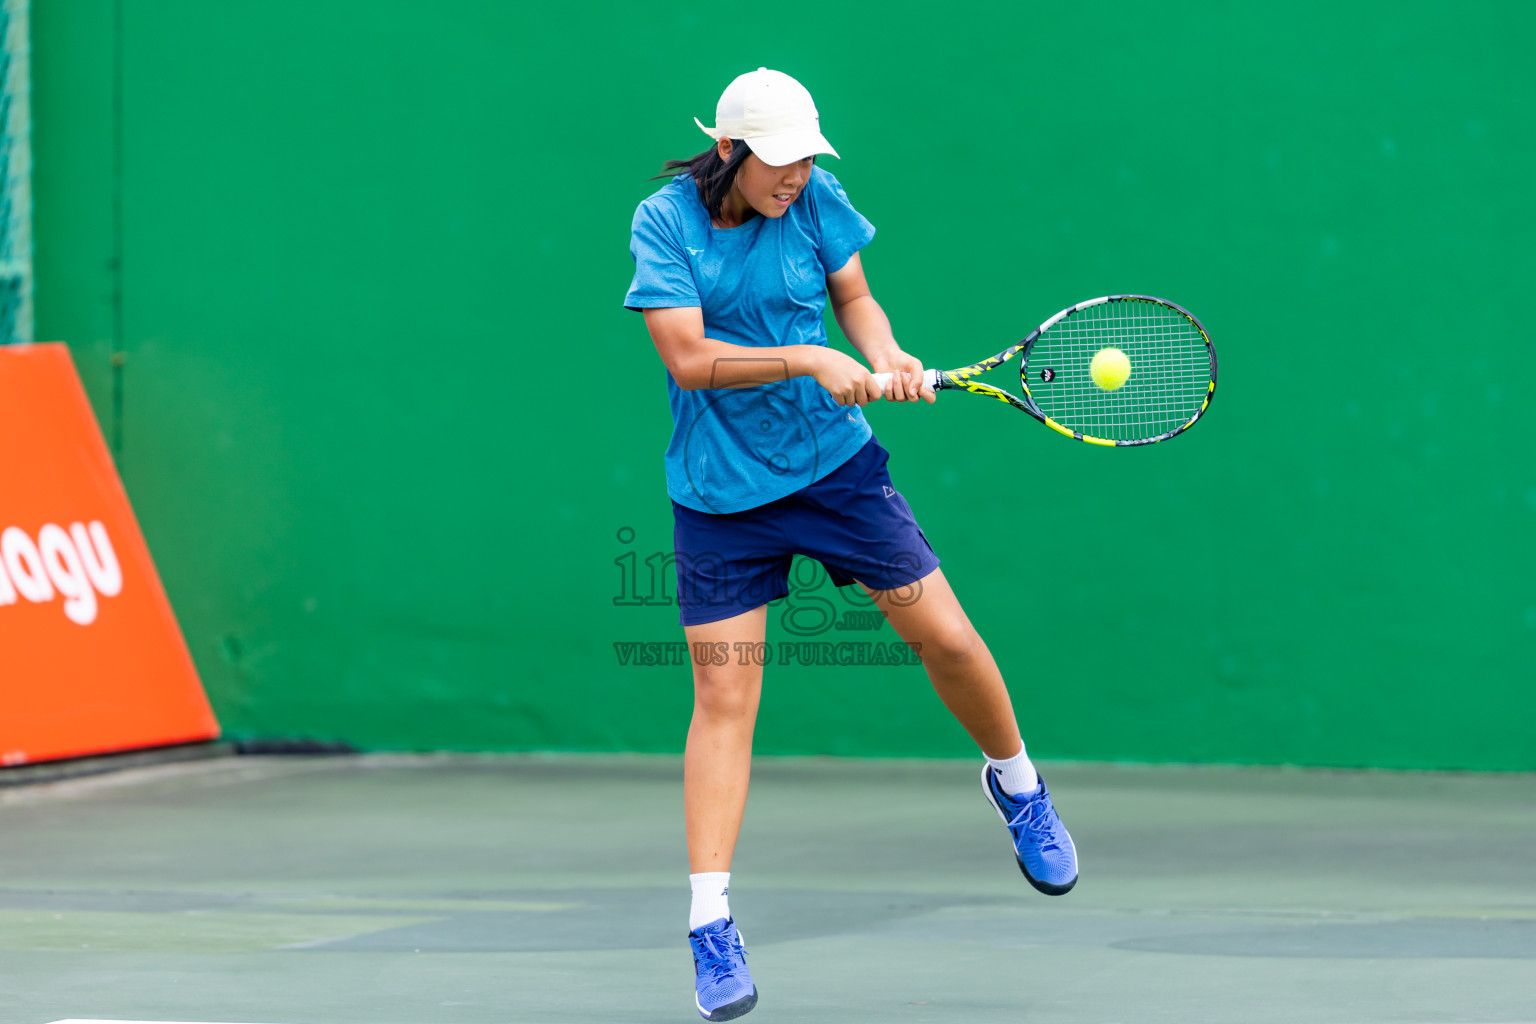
(779, 150)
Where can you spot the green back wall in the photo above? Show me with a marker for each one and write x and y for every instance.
(388, 428)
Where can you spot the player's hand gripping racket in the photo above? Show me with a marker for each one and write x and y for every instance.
(1073, 371)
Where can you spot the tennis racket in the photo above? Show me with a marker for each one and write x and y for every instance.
(1172, 372)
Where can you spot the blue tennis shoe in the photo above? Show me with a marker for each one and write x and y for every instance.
(1040, 842)
(722, 984)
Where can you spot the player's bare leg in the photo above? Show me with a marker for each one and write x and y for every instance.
(959, 664)
(717, 765)
(971, 686)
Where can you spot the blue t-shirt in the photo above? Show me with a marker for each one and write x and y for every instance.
(762, 285)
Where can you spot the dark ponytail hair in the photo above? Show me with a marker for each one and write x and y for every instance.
(711, 175)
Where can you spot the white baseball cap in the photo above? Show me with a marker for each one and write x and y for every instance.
(773, 114)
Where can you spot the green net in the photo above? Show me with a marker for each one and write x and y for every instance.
(15, 175)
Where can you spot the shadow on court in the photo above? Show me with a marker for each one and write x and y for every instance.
(487, 889)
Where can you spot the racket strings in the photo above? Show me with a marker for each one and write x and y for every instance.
(1170, 371)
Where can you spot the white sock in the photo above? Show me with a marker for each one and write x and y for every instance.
(711, 890)
(1016, 775)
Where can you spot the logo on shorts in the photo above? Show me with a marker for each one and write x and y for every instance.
(890, 492)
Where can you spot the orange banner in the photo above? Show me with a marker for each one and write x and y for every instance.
(91, 658)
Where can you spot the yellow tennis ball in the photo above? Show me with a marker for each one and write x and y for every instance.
(1110, 368)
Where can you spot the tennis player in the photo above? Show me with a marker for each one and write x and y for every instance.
(770, 457)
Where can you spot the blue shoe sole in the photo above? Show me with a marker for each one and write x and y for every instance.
(730, 1011)
(1049, 888)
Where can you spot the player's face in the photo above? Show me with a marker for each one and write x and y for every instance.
(770, 190)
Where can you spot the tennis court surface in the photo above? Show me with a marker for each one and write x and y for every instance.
(489, 889)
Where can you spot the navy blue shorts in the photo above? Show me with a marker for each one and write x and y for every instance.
(852, 521)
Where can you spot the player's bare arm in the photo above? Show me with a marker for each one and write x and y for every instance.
(696, 361)
(869, 330)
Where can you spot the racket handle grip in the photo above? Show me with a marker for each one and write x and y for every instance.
(930, 380)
